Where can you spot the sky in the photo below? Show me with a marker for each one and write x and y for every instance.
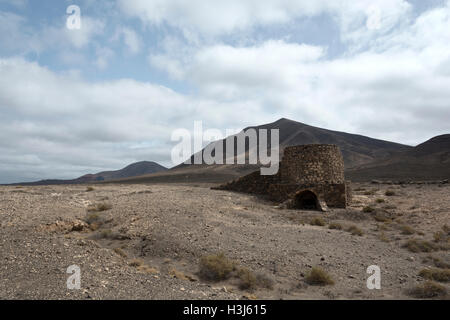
(78, 101)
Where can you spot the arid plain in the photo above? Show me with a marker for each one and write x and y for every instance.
(156, 241)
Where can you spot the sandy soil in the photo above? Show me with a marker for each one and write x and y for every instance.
(170, 227)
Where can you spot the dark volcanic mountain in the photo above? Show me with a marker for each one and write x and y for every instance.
(428, 161)
(356, 150)
(133, 170)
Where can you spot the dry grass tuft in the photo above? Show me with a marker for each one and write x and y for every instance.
(380, 200)
(247, 279)
(428, 290)
(383, 237)
(355, 231)
(147, 269)
(368, 209)
(89, 189)
(415, 245)
(136, 263)
(99, 207)
(335, 226)
(440, 275)
(317, 221)
(437, 262)
(216, 267)
(389, 193)
(120, 252)
(407, 230)
(318, 277)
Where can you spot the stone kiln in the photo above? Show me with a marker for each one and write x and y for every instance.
(310, 177)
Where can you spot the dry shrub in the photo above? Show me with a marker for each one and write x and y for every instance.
(120, 252)
(99, 207)
(180, 275)
(89, 189)
(428, 290)
(216, 267)
(368, 209)
(437, 262)
(318, 277)
(407, 230)
(147, 269)
(247, 279)
(415, 245)
(264, 281)
(390, 193)
(136, 263)
(380, 200)
(317, 221)
(446, 229)
(440, 275)
(355, 231)
(383, 237)
(335, 226)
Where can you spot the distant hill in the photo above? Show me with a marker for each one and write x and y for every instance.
(427, 161)
(356, 150)
(132, 170)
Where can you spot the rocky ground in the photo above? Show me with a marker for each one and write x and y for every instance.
(146, 241)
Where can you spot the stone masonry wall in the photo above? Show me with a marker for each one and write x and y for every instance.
(318, 168)
(307, 164)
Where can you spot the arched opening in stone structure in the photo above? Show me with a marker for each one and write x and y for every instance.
(306, 200)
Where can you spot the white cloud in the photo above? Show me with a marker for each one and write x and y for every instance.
(131, 39)
(394, 90)
(216, 17)
(66, 124)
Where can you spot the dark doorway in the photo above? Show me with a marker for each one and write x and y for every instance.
(306, 200)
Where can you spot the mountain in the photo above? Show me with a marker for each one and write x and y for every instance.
(356, 149)
(132, 170)
(427, 161)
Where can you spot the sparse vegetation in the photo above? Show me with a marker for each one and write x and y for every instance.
(120, 252)
(136, 263)
(355, 231)
(368, 209)
(89, 189)
(440, 275)
(389, 193)
(99, 207)
(446, 229)
(437, 262)
(383, 237)
(247, 279)
(381, 217)
(415, 245)
(439, 236)
(335, 226)
(318, 277)
(147, 269)
(180, 275)
(428, 290)
(407, 230)
(317, 221)
(216, 267)
(380, 200)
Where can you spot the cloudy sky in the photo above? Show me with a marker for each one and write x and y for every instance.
(112, 92)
